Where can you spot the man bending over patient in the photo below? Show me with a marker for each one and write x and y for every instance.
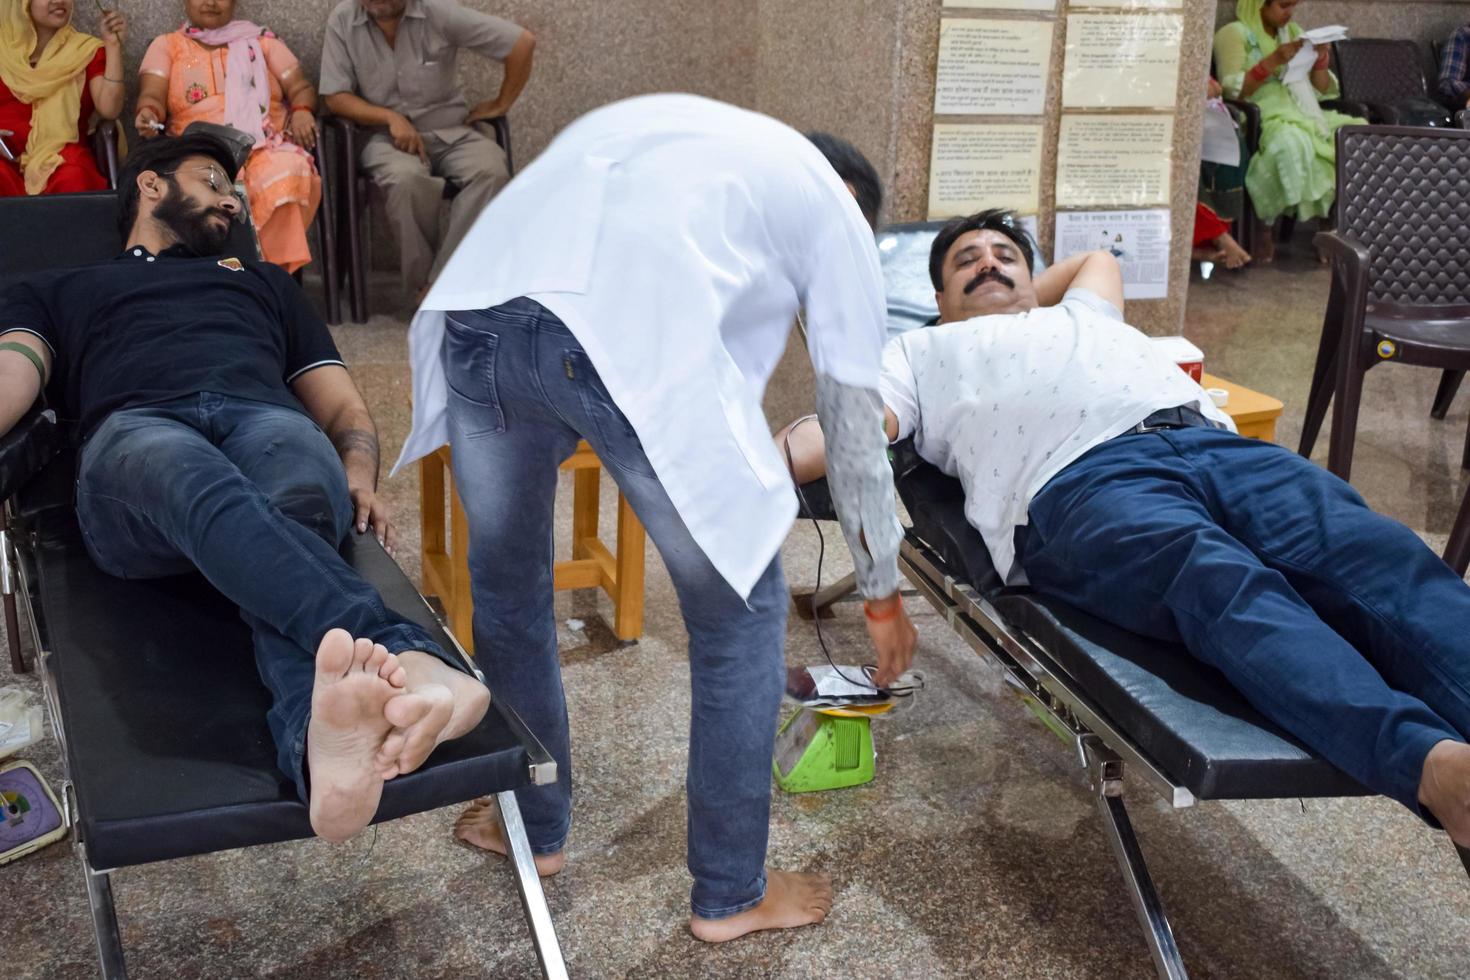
(1102, 474)
(222, 432)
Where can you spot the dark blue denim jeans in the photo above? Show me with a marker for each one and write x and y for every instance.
(1337, 623)
(522, 392)
(254, 497)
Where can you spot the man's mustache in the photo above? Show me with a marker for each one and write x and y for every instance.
(990, 275)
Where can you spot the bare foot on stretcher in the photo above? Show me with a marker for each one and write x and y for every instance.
(1444, 788)
(439, 703)
(355, 682)
(792, 900)
(479, 826)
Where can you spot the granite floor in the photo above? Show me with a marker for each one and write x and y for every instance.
(975, 852)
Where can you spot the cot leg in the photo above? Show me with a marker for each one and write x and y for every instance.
(834, 592)
(533, 899)
(104, 923)
(1106, 772)
(7, 587)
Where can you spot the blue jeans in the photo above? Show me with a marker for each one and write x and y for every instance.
(1335, 622)
(253, 496)
(521, 393)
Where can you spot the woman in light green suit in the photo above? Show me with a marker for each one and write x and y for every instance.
(1293, 170)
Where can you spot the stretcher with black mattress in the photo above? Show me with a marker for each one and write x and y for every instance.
(151, 684)
(1127, 703)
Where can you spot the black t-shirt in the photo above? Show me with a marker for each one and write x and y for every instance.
(141, 329)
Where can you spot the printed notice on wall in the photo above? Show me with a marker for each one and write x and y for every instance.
(1144, 4)
(1114, 161)
(1004, 4)
(973, 167)
(1139, 240)
(992, 67)
(1121, 61)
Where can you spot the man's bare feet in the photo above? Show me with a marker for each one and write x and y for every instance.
(792, 900)
(439, 703)
(1231, 254)
(1444, 788)
(355, 682)
(479, 826)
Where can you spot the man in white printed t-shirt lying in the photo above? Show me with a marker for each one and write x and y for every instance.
(1101, 474)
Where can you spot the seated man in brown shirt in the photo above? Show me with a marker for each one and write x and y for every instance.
(391, 64)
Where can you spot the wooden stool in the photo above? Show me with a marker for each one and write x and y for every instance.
(445, 546)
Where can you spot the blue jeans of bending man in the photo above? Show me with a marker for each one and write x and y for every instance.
(253, 496)
(521, 393)
(1335, 622)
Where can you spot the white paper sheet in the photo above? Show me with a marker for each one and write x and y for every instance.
(992, 67)
(1127, 61)
(1220, 143)
(1114, 161)
(1138, 239)
(1142, 4)
(1003, 4)
(984, 165)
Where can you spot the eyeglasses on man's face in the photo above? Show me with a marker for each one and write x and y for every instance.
(218, 182)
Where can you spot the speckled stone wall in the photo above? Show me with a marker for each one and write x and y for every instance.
(588, 53)
(915, 54)
(860, 68)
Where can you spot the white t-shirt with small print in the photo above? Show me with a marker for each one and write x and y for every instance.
(1004, 402)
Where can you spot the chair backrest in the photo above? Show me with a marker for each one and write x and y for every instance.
(1380, 70)
(54, 231)
(1404, 194)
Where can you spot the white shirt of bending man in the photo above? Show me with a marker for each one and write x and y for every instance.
(1008, 390)
(676, 237)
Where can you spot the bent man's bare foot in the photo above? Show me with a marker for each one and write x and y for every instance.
(439, 703)
(355, 682)
(1444, 788)
(479, 826)
(792, 900)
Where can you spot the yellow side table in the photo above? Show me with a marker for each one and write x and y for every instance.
(1254, 414)
(445, 546)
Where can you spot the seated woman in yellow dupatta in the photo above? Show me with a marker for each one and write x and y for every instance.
(1293, 172)
(232, 72)
(53, 79)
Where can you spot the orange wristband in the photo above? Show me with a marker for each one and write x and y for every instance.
(882, 617)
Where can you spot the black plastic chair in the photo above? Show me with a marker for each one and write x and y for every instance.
(1400, 275)
(1384, 79)
(104, 147)
(356, 188)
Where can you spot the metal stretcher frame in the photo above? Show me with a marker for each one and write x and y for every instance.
(1102, 750)
(542, 770)
(19, 583)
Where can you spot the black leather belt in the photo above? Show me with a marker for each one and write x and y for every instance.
(1181, 417)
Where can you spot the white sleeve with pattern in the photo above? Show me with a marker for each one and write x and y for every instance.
(861, 482)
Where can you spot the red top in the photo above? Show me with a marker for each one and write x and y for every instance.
(15, 115)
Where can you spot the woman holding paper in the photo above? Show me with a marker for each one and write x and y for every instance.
(1293, 170)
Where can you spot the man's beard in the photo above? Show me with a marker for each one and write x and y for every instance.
(191, 223)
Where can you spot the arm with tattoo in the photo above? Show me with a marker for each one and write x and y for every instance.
(331, 398)
(358, 448)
